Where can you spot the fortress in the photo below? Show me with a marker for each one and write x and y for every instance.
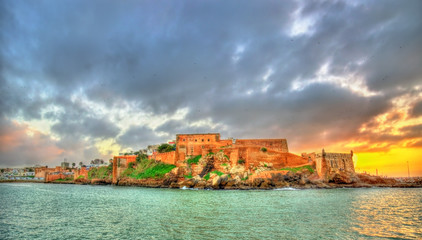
(237, 155)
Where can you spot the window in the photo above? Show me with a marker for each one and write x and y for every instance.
(196, 140)
(202, 139)
(208, 139)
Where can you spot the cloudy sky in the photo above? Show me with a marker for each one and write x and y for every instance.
(88, 79)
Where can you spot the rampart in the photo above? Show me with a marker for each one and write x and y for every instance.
(329, 163)
(167, 157)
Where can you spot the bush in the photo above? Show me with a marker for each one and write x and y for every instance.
(194, 160)
(217, 172)
(264, 149)
(224, 164)
(100, 173)
(241, 161)
(166, 148)
(207, 177)
(130, 165)
(80, 177)
(299, 168)
(188, 176)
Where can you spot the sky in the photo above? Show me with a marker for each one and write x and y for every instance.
(81, 80)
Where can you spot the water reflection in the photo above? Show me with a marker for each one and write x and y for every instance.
(389, 213)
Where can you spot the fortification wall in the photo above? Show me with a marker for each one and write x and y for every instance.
(167, 157)
(41, 172)
(278, 159)
(80, 172)
(328, 163)
(273, 144)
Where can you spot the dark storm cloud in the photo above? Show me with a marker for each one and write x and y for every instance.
(205, 56)
(138, 137)
(417, 109)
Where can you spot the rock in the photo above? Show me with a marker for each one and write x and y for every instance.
(189, 183)
(216, 182)
(224, 178)
(237, 179)
(200, 184)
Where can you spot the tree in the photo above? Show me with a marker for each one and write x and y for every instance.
(81, 163)
(166, 148)
(73, 165)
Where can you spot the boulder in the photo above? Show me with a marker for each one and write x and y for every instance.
(216, 182)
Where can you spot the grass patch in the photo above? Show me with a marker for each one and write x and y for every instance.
(217, 172)
(299, 168)
(100, 173)
(194, 160)
(64, 180)
(207, 177)
(148, 169)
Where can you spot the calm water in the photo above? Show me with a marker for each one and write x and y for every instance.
(49, 211)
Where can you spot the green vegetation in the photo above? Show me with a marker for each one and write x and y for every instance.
(140, 157)
(100, 173)
(80, 177)
(264, 149)
(241, 161)
(166, 148)
(148, 169)
(217, 172)
(130, 165)
(226, 157)
(207, 177)
(299, 168)
(224, 165)
(210, 154)
(245, 178)
(64, 180)
(189, 176)
(194, 160)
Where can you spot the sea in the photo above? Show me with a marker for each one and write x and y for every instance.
(62, 211)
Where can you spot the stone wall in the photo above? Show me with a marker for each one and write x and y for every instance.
(270, 144)
(80, 172)
(167, 157)
(120, 163)
(330, 163)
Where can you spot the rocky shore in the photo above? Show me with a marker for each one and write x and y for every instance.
(299, 180)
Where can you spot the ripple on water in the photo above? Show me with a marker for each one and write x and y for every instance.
(51, 211)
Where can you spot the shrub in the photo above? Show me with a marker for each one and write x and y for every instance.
(224, 164)
(245, 178)
(100, 173)
(264, 149)
(166, 148)
(207, 177)
(80, 177)
(188, 176)
(226, 157)
(299, 168)
(194, 160)
(217, 172)
(130, 165)
(241, 161)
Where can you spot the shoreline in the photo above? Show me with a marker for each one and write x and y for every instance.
(244, 186)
